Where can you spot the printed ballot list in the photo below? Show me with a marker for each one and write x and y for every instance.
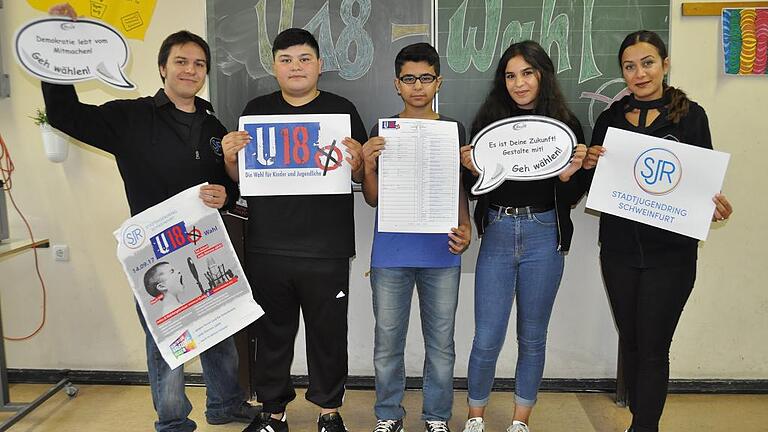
(185, 276)
(418, 176)
(658, 182)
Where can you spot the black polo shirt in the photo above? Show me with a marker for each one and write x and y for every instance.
(160, 151)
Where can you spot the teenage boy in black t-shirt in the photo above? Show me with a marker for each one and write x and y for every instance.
(298, 251)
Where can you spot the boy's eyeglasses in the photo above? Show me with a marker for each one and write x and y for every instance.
(411, 79)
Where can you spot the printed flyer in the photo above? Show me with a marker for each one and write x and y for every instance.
(185, 276)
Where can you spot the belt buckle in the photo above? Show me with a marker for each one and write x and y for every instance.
(512, 211)
(522, 211)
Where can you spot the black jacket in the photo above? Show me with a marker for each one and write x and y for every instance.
(154, 160)
(566, 195)
(633, 242)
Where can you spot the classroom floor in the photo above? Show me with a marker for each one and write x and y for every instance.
(129, 408)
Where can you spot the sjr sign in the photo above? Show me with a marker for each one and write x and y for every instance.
(658, 171)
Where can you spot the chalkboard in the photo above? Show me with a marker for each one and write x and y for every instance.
(581, 37)
(358, 43)
(360, 38)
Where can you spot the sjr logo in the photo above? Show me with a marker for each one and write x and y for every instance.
(169, 240)
(658, 171)
(216, 146)
(133, 236)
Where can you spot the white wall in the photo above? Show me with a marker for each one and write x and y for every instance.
(724, 329)
(91, 318)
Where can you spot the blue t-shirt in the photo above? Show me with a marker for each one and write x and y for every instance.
(413, 249)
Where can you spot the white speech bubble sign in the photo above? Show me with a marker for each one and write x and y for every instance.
(62, 51)
(521, 148)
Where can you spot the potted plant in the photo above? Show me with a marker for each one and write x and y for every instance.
(56, 144)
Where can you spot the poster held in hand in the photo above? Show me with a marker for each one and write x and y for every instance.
(185, 276)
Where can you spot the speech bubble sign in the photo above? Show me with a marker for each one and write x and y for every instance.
(521, 148)
(62, 51)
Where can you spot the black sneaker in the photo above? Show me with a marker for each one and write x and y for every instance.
(265, 423)
(244, 413)
(331, 422)
(436, 426)
(389, 426)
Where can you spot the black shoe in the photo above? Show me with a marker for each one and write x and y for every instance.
(331, 422)
(389, 426)
(243, 413)
(265, 423)
(436, 426)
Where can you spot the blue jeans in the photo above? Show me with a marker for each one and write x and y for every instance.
(518, 257)
(220, 372)
(438, 290)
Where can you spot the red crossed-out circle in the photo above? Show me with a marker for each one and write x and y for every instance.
(324, 152)
(194, 235)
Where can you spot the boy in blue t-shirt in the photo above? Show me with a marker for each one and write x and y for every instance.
(399, 261)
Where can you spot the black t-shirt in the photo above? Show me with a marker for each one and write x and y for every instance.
(186, 124)
(315, 226)
(536, 193)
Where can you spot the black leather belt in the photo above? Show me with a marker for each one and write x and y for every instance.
(517, 211)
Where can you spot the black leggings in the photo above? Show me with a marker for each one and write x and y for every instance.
(646, 304)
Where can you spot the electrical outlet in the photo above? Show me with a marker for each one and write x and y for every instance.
(60, 252)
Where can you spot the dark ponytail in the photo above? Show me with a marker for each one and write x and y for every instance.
(678, 104)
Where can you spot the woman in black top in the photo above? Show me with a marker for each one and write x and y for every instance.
(648, 272)
(526, 227)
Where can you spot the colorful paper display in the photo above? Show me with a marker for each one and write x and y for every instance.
(745, 41)
(131, 18)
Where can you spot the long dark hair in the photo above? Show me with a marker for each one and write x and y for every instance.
(679, 102)
(499, 104)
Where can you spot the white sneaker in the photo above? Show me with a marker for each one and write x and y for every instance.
(517, 426)
(475, 424)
